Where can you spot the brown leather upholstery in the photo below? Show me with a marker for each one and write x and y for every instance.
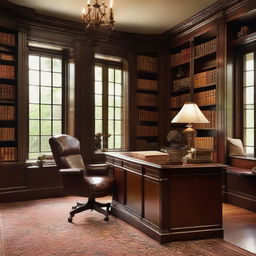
(79, 179)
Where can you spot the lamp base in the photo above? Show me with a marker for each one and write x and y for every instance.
(189, 134)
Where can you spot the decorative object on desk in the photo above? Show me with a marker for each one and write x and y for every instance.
(235, 147)
(98, 19)
(244, 30)
(98, 141)
(190, 113)
(174, 139)
(40, 160)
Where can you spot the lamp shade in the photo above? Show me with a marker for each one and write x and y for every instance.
(190, 113)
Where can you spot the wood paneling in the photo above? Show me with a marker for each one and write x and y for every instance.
(119, 194)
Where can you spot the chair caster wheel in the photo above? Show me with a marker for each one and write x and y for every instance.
(106, 218)
(70, 219)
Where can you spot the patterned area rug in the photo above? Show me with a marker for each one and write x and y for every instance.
(40, 227)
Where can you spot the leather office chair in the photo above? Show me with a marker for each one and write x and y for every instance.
(91, 181)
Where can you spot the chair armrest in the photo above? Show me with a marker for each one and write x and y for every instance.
(97, 169)
(72, 171)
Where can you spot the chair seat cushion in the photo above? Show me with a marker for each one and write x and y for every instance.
(100, 184)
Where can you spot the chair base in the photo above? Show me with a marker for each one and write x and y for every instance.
(90, 205)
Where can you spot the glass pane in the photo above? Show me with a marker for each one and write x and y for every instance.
(46, 95)
(46, 64)
(98, 126)
(111, 142)
(33, 155)
(111, 127)
(33, 143)
(118, 101)
(111, 75)
(249, 78)
(249, 137)
(249, 118)
(117, 141)
(98, 100)
(57, 80)
(33, 94)
(46, 112)
(249, 150)
(98, 112)
(98, 87)
(117, 127)
(33, 77)
(110, 113)
(33, 111)
(57, 63)
(249, 61)
(111, 88)
(33, 62)
(118, 113)
(118, 76)
(33, 127)
(98, 73)
(248, 95)
(57, 95)
(118, 89)
(46, 127)
(57, 127)
(57, 112)
(111, 101)
(45, 147)
(46, 78)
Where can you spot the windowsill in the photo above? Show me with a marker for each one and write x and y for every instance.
(47, 163)
(252, 158)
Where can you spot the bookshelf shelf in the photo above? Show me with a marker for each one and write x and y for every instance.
(205, 55)
(8, 100)
(181, 64)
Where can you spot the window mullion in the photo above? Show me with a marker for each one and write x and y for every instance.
(254, 102)
(105, 106)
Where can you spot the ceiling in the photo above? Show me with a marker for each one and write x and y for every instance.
(137, 16)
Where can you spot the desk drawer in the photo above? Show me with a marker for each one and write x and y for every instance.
(132, 166)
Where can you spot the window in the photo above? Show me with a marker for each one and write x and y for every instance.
(109, 95)
(248, 102)
(45, 101)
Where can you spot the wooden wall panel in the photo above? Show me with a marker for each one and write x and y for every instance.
(119, 194)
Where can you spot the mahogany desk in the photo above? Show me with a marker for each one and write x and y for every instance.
(167, 202)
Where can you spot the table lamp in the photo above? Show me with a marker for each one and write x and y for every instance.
(190, 114)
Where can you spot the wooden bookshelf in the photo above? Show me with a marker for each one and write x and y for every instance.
(8, 99)
(147, 102)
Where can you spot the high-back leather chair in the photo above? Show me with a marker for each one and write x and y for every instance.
(78, 179)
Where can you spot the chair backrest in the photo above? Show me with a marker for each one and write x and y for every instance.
(66, 151)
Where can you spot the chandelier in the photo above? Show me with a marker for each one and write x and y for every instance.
(98, 18)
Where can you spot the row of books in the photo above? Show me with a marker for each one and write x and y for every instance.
(204, 142)
(7, 91)
(7, 133)
(7, 112)
(205, 48)
(145, 84)
(144, 130)
(205, 78)
(7, 38)
(8, 154)
(145, 115)
(180, 57)
(206, 98)
(181, 83)
(7, 71)
(174, 113)
(144, 99)
(4, 56)
(143, 144)
(147, 63)
(178, 101)
(211, 117)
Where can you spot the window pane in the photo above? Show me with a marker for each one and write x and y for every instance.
(45, 147)
(34, 127)
(118, 89)
(111, 77)
(98, 112)
(117, 127)
(118, 113)
(117, 141)
(111, 127)
(46, 78)
(111, 101)
(98, 126)
(33, 62)
(98, 87)
(57, 80)
(98, 100)
(57, 127)
(111, 142)
(46, 95)
(249, 78)
(57, 65)
(46, 64)
(249, 118)
(118, 101)
(33, 111)
(33, 77)
(118, 76)
(111, 88)
(46, 127)
(46, 112)
(249, 61)
(33, 94)
(33, 155)
(57, 112)
(110, 113)
(249, 137)
(98, 73)
(57, 95)
(33, 143)
(249, 150)
(249, 95)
